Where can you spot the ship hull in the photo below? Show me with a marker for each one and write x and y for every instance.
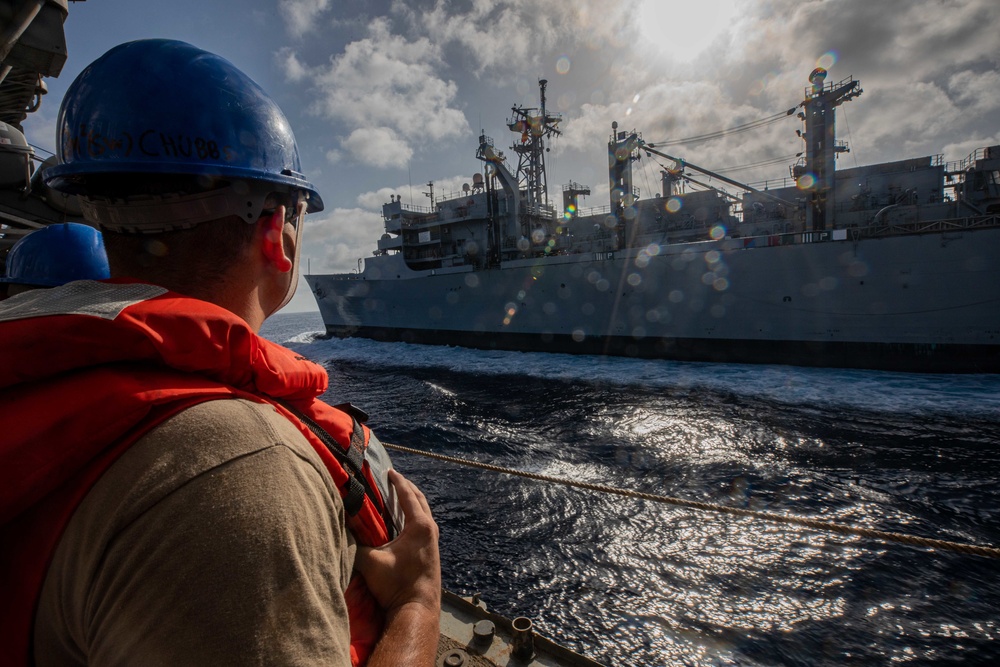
(920, 303)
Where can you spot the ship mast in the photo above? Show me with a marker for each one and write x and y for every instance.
(623, 150)
(818, 175)
(534, 128)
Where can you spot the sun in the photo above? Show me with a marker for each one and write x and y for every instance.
(683, 29)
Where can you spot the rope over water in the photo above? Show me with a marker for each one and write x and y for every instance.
(816, 524)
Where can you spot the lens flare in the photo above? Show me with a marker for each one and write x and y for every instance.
(563, 65)
(827, 60)
(674, 204)
(717, 232)
(806, 181)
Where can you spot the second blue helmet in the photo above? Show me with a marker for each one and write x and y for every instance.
(57, 254)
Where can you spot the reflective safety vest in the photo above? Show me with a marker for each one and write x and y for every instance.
(91, 367)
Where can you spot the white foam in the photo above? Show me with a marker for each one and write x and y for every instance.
(906, 393)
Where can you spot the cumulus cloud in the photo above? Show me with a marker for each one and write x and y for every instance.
(506, 38)
(388, 91)
(334, 241)
(375, 198)
(378, 146)
(301, 16)
(290, 64)
(977, 92)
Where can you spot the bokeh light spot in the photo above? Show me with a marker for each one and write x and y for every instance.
(806, 181)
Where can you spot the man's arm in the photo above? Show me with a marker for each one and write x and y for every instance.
(405, 578)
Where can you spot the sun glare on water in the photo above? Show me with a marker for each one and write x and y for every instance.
(681, 30)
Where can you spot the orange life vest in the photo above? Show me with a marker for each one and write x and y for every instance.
(93, 367)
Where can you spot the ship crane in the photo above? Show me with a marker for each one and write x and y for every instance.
(730, 197)
(649, 149)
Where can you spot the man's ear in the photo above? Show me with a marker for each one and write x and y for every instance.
(272, 244)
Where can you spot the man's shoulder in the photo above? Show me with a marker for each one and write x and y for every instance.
(204, 439)
(227, 428)
(208, 435)
(225, 464)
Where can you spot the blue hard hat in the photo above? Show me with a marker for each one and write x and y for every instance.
(57, 254)
(160, 106)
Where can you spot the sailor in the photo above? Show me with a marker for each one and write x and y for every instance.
(54, 255)
(172, 490)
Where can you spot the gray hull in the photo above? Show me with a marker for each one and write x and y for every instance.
(923, 302)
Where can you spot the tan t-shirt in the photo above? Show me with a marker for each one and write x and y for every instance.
(217, 539)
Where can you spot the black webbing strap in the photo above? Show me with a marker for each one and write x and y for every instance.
(352, 459)
(353, 494)
(356, 452)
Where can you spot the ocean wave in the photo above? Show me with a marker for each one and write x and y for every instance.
(821, 388)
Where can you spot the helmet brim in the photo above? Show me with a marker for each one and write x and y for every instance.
(72, 179)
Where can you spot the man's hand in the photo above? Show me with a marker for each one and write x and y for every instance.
(408, 569)
(405, 578)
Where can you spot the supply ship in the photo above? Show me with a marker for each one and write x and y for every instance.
(889, 266)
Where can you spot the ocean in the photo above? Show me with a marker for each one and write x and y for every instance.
(633, 582)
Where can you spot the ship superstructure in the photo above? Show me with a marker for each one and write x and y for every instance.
(32, 47)
(888, 266)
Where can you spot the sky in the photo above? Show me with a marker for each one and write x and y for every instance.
(387, 96)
